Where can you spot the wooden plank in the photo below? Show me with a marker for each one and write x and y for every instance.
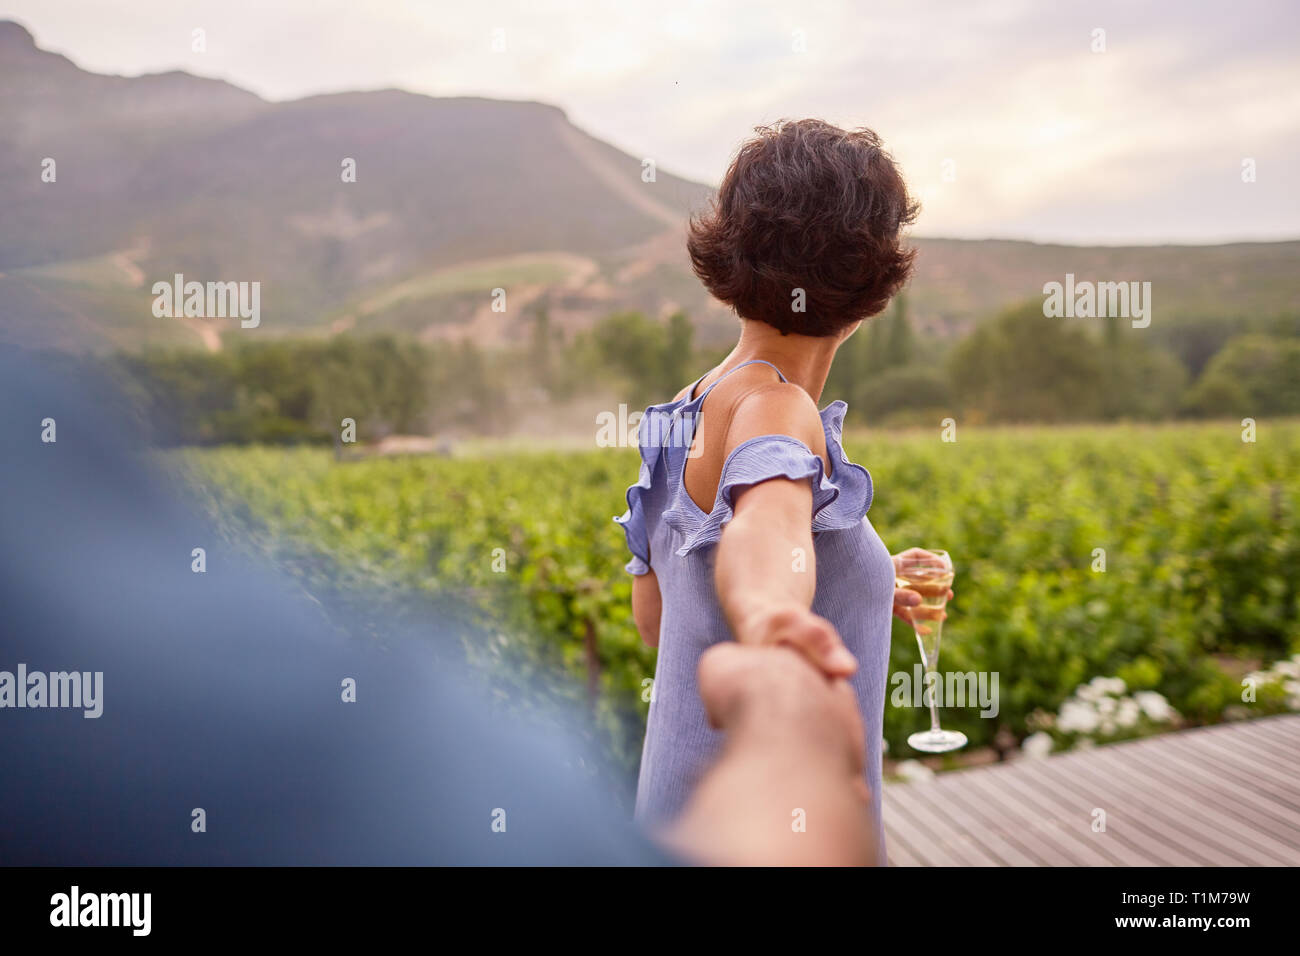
(1205, 816)
(944, 797)
(1038, 833)
(1222, 795)
(1277, 817)
(1278, 728)
(1271, 757)
(1285, 800)
(1149, 806)
(956, 845)
(901, 839)
(1273, 735)
(1126, 830)
(898, 851)
(1074, 820)
(904, 827)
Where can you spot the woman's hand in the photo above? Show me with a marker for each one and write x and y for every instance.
(907, 603)
(791, 625)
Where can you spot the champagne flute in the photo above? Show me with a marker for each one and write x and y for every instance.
(929, 573)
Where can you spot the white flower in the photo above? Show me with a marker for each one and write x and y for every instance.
(1086, 692)
(1077, 717)
(1287, 668)
(1109, 685)
(1107, 728)
(913, 771)
(1037, 746)
(1154, 705)
(1106, 706)
(1129, 712)
(1292, 688)
(884, 745)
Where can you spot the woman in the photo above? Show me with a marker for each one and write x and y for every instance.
(748, 520)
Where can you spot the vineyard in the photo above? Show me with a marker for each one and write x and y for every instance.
(1164, 556)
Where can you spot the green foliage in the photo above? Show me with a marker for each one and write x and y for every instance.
(299, 390)
(1199, 530)
(879, 373)
(647, 361)
(908, 387)
(1019, 367)
(900, 343)
(435, 525)
(1025, 367)
(1253, 375)
(1140, 382)
(1201, 534)
(1195, 339)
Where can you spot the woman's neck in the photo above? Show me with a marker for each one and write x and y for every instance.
(804, 360)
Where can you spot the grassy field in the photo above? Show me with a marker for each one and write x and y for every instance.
(1164, 556)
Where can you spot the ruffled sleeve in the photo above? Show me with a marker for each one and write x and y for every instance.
(638, 541)
(633, 519)
(840, 500)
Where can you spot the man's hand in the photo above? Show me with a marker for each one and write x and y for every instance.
(773, 688)
(795, 745)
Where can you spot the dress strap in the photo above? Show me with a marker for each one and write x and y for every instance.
(736, 369)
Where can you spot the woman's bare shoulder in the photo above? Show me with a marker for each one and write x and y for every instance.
(776, 408)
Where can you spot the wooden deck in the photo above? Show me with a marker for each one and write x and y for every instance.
(1227, 795)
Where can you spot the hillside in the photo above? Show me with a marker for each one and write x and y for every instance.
(453, 197)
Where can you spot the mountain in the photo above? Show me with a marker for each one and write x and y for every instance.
(454, 197)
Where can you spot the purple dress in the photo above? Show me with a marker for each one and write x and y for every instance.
(667, 532)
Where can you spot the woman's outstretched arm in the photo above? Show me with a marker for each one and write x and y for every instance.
(766, 570)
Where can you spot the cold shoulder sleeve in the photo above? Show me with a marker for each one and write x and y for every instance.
(840, 499)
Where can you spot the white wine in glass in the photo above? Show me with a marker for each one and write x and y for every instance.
(929, 573)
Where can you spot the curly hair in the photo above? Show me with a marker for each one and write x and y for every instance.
(806, 206)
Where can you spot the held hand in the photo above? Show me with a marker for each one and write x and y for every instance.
(794, 626)
(772, 690)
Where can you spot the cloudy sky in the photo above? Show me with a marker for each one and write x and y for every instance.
(1006, 120)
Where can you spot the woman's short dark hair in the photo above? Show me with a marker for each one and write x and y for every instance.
(806, 205)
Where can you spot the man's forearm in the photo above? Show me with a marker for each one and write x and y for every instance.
(788, 788)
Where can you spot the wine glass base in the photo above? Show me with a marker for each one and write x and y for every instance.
(937, 741)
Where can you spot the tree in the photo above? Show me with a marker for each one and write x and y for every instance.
(1252, 375)
(543, 358)
(1024, 366)
(900, 343)
(679, 350)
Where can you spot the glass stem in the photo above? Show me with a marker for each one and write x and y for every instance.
(934, 701)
